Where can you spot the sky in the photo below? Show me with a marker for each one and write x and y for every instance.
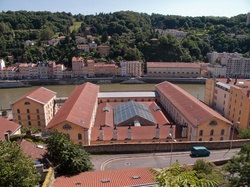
(192, 8)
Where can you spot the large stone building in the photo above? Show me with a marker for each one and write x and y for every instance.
(173, 69)
(34, 109)
(198, 121)
(230, 97)
(131, 68)
(222, 58)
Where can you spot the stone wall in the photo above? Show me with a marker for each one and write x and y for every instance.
(161, 147)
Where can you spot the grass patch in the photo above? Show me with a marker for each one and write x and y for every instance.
(76, 25)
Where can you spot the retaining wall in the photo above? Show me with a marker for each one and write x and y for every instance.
(161, 147)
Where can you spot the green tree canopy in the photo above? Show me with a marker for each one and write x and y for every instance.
(16, 169)
(239, 167)
(71, 158)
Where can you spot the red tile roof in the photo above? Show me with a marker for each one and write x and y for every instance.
(6, 125)
(31, 149)
(79, 106)
(77, 58)
(41, 95)
(112, 178)
(172, 65)
(194, 110)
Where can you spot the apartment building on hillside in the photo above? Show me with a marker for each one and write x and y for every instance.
(231, 98)
(222, 58)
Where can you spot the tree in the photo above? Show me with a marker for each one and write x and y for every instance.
(16, 169)
(177, 176)
(47, 33)
(245, 134)
(239, 167)
(71, 158)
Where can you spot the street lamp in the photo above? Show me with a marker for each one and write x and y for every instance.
(171, 152)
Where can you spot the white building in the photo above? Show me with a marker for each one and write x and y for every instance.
(238, 67)
(131, 68)
(248, 19)
(217, 71)
(222, 58)
(2, 64)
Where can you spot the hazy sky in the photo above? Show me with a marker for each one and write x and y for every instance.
(227, 8)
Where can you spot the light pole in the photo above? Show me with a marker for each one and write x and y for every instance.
(171, 151)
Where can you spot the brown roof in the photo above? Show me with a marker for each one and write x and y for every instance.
(6, 125)
(194, 110)
(77, 58)
(31, 149)
(41, 95)
(79, 106)
(172, 65)
(112, 178)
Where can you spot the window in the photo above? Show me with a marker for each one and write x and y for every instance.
(27, 103)
(28, 111)
(221, 138)
(201, 133)
(19, 117)
(29, 123)
(39, 123)
(28, 117)
(66, 127)
(37, 110)
(18, 111)
(211, 139)
(222, 132)
(79, 136)
(38, 117)
(212, 132)
(200, 139)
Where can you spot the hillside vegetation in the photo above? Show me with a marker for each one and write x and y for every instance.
(129, 35)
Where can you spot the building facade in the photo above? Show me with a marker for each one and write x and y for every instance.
(238, 68)
(231, 98)
(131, 68)
(170, 69)
(34, 109)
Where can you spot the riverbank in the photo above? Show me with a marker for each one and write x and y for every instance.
(124, 80)
(13, 84)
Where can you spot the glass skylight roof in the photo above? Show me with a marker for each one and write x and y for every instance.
(128, 110)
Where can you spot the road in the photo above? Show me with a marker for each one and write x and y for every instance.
(157, 160)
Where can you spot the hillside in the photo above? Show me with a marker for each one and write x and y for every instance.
(130, 35)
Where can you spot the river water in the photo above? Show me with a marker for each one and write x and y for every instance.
(10, 95)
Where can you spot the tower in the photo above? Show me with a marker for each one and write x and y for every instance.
(248, 19)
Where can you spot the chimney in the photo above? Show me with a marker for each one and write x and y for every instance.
(115, 133)
(157, 132)
(101, 133)
(7, 136)
(248, 93)
(235, 81)
(129, 137)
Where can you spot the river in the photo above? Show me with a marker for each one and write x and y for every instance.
(10, 95)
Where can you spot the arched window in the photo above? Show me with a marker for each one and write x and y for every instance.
(66, 127)
(212, 132)
(28, 111)
(211, 139)
(38, 117)
(19, 117)
(29, 123)
(201, 133)
(79, 136)
(27, 103)
(222, 132)
(28, 117)
(221, 138)
(18, 111)
(200, 139)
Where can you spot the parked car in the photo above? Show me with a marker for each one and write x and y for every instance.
(200, 151)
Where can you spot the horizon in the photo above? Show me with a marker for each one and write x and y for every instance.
(192, 8)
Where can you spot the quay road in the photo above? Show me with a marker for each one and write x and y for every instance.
(156, 160)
